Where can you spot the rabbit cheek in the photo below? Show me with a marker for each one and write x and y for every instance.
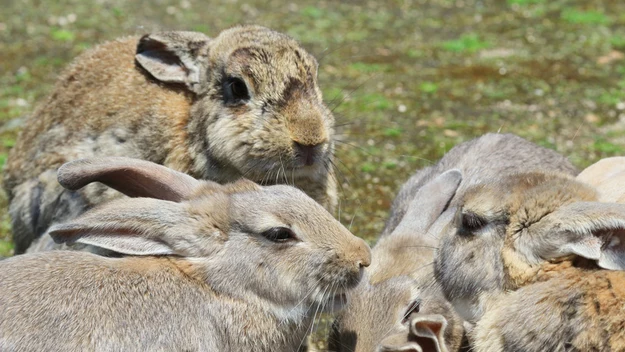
(467, 269)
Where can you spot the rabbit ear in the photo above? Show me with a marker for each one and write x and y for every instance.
(138, 226)
(608, 177)
(591, 230)
(424, 333)
(133, 177)
(429, 202)
(173, 57)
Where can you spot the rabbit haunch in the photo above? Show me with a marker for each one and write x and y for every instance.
(398, 306)
(525, 263)
(209, 267)
(243, 104)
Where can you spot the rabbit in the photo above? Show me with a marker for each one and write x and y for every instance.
(206, 267)
(245, 103)
(400, 278)
(534, 262)
(608, 177)
(398, 284)
(488, 156)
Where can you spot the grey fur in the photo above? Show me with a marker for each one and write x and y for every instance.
(523, 263)
(198, 275)
(401, 270)
(488, 157)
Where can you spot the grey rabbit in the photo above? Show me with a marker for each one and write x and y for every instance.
(245, 103)
(205, 267)
(535, 262)
(398, 292)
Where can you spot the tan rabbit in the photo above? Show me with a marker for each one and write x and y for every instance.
(525, 263)
(207, 267)
(243, 104)
(608, 177)
(399, 281)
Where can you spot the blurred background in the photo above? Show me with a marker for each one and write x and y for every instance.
(407, 79)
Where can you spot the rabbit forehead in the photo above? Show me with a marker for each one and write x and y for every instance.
(523, 194)
(265, 57)
(282, 205)
(533, 203)
(374, 311)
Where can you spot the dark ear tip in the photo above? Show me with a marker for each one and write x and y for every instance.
(150, 42)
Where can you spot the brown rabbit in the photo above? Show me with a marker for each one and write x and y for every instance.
(400, 279)
(525, 263)
(206, 267)
(243, 104)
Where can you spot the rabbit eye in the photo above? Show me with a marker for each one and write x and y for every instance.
(472, 222)
(235, 91)
(279, 234)
(414, 307)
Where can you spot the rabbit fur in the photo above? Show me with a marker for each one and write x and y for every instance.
(206, 267)
(608, 177)
(524, 262)
(245, 103)
(400, 278)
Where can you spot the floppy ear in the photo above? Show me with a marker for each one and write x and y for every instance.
(592, 230)
(133, 177)
(424, 333)
(174, 57)
(428, 204)
(608, 177)
(138, 226)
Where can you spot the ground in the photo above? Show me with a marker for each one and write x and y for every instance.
(407, 79)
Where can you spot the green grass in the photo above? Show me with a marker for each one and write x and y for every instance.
(466, 43)
(584, 17)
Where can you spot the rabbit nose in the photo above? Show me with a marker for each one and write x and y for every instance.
(362, 254)
(307, 152)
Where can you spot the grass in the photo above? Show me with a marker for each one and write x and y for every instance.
(456, 69)
(466, 43)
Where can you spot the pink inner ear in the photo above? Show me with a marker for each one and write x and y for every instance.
(133, 177)
(428, 331)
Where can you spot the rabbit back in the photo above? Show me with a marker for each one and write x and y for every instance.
(576, 310)
(100, 304)
(489, 157)
(94, 110)
(130, 304)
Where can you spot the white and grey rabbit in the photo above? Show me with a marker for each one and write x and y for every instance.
(206, 267)
(398, 293)
(245, 103)
(536, 262)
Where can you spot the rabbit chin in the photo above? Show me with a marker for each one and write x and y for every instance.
(280, 173)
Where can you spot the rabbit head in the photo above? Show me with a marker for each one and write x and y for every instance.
(272, 244)
(508, 231)
(258, 110)
(399, 282)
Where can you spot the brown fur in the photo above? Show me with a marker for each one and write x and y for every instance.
(116, 100)
(537, 285)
